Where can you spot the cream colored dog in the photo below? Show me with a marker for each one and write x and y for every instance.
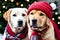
(16, 18)
(38, 21)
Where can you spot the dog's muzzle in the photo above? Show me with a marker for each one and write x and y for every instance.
(34, 23)
(20, 23)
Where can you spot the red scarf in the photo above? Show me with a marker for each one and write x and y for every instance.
(57, 32)
(35, 35)
(21, 36)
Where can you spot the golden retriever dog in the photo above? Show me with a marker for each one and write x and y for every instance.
(38, 21)
(16, 28)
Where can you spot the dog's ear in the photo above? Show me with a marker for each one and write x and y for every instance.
(48, 21)
(6, 14)
(28, 21)
(25, 10)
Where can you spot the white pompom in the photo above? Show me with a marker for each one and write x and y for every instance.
(53, 5)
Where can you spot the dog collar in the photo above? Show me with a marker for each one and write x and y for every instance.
(11, 35)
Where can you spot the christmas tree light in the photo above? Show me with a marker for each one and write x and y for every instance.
(5, 0)
(21, 5)
(0, 11)
(59, 17)
(27, 0)
(4, 6)
(12, 0)
(58, 22)
(53, 19)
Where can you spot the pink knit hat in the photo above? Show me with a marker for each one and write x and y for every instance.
(43, 6)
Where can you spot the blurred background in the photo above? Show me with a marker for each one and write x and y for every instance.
(7, 4)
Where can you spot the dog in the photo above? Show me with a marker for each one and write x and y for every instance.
(38, 21)
(16, 28)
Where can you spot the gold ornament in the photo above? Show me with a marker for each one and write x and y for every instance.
(17, 3)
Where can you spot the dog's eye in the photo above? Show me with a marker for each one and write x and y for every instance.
(14, 15)
(32, 13)
(23, 14)
(41, 14)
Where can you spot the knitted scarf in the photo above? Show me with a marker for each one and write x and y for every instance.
(35, 36)
(10, 35)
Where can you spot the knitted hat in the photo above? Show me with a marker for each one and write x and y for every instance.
(43, 6)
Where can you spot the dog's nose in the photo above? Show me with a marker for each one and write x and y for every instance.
(34, 21)
(20, 23)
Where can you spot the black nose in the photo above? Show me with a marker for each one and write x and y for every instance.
(20, 23)
(34, 21)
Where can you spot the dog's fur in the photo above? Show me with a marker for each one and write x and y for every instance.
(42, 21)
(14, 15)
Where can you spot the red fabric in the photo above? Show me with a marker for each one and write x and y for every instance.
(34, 33)
(47, 9)
(43, 6)
(57, 31)
(22, 35)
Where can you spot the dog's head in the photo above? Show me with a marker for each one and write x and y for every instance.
(37, 20)
(16, 17)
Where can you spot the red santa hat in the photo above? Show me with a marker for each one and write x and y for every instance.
(47, 9)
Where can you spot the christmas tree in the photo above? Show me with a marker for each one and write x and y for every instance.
(7, 4)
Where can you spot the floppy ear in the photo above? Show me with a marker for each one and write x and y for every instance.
(28, 21)
(6, 14)
(48, 21)
(25, 10)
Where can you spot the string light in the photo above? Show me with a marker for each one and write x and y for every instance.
(2, 3)
(0, 25)
(58, 17)
(53, 19)
(5, 0)
(56, 13)
(12, 0)
(21, 5)
(58, 22)
(0, 11)
(27, 0)
(4, 6)
(17, 3)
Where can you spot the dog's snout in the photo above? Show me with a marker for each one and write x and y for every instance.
(34, 20)
(34, 23)
(20, 23)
